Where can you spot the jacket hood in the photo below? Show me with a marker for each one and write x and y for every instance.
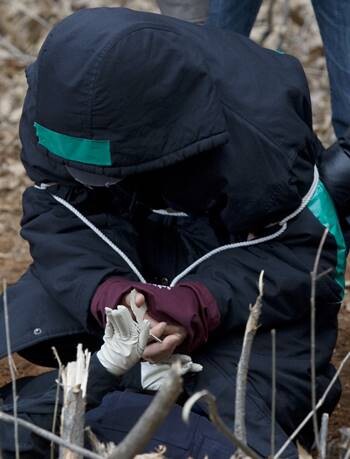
(121, 92)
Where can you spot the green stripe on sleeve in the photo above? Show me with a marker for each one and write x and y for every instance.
(321, 205)
(87, 151)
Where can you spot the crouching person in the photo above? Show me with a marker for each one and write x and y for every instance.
(179, 161)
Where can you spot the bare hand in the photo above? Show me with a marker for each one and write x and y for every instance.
(173, 335)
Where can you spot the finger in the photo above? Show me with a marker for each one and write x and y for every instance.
(152, 321)
(176, 330)
(183, 358)
(168, 346)
(122, 321)
(171, 329)
(158, 329)
(196, 367)
(144, 335)
(191, 367)
(139, 299)
(139, 309)
(109, 330)
(157, 352)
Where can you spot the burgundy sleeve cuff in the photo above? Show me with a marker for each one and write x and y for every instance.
(189, 304)
(108, 295)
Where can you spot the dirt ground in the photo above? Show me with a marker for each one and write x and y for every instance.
(341, 416)
(24, 24)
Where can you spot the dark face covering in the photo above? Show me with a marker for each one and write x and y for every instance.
(193, 186)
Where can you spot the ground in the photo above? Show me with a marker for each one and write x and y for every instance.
(24, 24)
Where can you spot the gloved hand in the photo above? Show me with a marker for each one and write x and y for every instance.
(153, 374)
(124, 341)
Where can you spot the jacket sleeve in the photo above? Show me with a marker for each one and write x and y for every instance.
(232, 276)
(188, 304)
(69, 259)
(216, 296)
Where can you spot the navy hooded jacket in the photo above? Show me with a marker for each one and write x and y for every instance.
(213, 125)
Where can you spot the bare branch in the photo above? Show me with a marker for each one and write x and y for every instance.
(74, 378)
(319, 404)
(142, 432)
(324, 273)
(343, 450)
(347, 455)
(323, 436)
(15, 52)
(314, 274)
(12, 367)
(269, 28)
(48, 435)
(216, 420)
(136, 439)
(57, 398)
(273, 394)
(158, 453)
(284, 22)
(101, 448)
(243, 364)
(32, 15)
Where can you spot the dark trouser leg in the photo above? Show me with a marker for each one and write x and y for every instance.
(236, 15)
(333, 17)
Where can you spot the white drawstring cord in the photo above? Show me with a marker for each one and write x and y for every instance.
(282, 223)
(227, 247)
(282, 229)
(101, 235)
(306, 198)
(169, 214)
(44, 186)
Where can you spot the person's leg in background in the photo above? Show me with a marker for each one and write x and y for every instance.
(236, 15)
(195, 11)
(333, 17)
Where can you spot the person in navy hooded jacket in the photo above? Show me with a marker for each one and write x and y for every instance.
(179, 161)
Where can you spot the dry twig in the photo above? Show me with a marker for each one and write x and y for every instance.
(344, 450)
(243, 365)
(57, 398)
(319, 404)
(323, 436)
(48, 435)
(12, 367)
(314, 278)
(136, 439)
(283, 30)
(216, 420)
(74, 378)
(152, 418)
(104, 449)
(269, 28)
(15, 52)
(273, 394)
(32, 15)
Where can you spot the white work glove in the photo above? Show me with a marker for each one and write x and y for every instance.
(124, 341)
(153, 374)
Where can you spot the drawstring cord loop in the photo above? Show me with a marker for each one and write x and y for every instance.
(283, 226)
